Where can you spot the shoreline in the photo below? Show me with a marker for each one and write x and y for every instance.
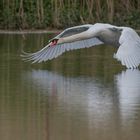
(38, 31)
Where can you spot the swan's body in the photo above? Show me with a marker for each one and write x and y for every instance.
(84, 36)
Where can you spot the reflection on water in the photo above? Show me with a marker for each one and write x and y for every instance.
(99, 109)
(81, 95)
(128, 85)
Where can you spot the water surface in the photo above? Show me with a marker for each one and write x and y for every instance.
(81, 95)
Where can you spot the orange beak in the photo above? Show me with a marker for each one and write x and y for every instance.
(54, 42)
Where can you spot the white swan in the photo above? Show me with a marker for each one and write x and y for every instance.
(84, 36)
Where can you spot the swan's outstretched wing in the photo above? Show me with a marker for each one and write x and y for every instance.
(49, 52)
(129, 50)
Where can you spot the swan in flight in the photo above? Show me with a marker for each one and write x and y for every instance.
(124, 38)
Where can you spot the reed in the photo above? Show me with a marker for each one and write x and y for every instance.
(24, 14)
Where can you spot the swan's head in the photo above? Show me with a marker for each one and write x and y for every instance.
(56, 41)
(53, 42)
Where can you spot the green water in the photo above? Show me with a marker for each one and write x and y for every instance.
(81, 95)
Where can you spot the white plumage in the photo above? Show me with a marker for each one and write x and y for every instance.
(129, 49)
(85, 36)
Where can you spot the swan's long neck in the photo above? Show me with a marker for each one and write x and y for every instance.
(76, 37)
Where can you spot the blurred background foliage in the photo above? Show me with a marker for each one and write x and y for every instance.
(43, 14)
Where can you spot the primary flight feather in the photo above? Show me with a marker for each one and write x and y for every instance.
(85, 36)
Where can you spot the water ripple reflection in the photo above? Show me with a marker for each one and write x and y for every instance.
(128, 86)
(90, 104)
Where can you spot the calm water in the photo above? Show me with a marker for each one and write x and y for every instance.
(82, 95)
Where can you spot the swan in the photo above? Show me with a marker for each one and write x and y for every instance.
(84, 36)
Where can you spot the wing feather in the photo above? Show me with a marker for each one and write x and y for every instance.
(50, 52)
(129, 50)
(74, 30)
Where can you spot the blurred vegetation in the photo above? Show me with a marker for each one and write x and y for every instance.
(41, 14)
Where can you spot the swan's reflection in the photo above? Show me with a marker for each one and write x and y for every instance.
(128, 85)
(80, 96)
(79, 90)
(90, 97)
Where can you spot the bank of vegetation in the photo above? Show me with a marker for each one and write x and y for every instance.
(41, 14)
